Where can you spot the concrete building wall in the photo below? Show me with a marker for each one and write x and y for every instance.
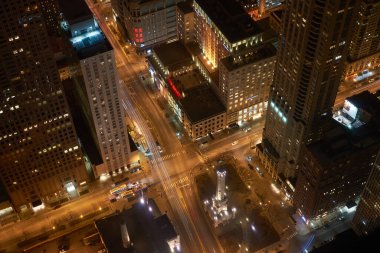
(150, 22)
(185, 26)
(309, 68)
(367, 216)
(322, 187)
(102, 85)
(39, 149)
(244, 90)
(203, 128)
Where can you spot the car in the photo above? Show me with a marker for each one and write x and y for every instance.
(234, 143)
(63, 245)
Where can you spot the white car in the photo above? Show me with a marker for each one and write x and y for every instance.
(234, 143)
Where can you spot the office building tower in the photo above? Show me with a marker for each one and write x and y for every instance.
(40, 157)
(223, 27)
(97, 64)
(238, 51)
(312, 47)
(51, 14)
(150, 22)
(185, 22)
(334, 169)
(266, 5)
(364, 52)
(244, 81)
(367, 216)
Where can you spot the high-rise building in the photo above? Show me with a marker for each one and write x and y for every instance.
(334, 169)
(313, 45)
(98, 67)
(51, 14)
(223, 27)
(185, 22)
(238, 50)
(244, 81)
(149, 22)
(364, 52)
(266, 5)
(367, 216)
(40, 157)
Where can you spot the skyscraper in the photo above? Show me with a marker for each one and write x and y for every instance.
(312, 47)
(367, 216)
(334, 169)
(364, 50)
(97, 63)
(148, 22)
(40, 158)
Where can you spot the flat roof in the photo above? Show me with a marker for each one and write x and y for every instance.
(339, 142)
(173, 55)
(255, 54)
(74, 10)
(348, 241)
(188, 80)
(90, 44)
(185, 7)
(201, 103)
(148, 231)
(231, 19)
(366, 101)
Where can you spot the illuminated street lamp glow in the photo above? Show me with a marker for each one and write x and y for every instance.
(275, 189)
(142, 201)
(150, 209)
(253, 227)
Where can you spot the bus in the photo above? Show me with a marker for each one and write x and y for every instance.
(127, 194)
(118, 189)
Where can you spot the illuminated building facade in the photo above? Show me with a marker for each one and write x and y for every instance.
(150, 22)
(314, 42)
(244, 82)
(223, 27)
(364, 52)
(188, 94)
(367, 216)
(334, 170)
(232, 45)
(185, 22)
(40, 157)
(266, 5)
(97, 64)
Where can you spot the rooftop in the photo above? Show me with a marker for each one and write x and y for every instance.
(201, 103)
(90, 44)
(339, 142)
(185, 7)
(358, 110)
(231, 19)
(75, 10)
(148, 231)
(348, 241)
(232, 62)
(188, 80)
(173, 55)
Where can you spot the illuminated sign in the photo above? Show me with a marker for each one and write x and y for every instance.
(350, 109)
(174, 89)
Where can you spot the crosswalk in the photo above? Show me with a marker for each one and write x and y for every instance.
(169, 156)
(182, 182)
